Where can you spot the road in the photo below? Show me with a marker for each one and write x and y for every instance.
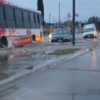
(77, 79)
(20, 59)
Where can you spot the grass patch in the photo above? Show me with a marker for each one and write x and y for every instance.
(64, 51)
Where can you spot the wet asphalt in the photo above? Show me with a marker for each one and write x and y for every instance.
(77, 79)
(17, 62)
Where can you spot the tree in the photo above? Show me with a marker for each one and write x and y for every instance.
(93, 19)
(40, 7)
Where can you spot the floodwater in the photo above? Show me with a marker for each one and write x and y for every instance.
(3, 66)
(77, 79)
(11, 64)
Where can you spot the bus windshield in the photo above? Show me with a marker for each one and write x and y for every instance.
(89, 29)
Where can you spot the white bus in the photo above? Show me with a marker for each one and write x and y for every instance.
(19, 26)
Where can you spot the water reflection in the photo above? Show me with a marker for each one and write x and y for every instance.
(16, 56)
(94, 39)
(3, 62)
(3, 58)
(3, 66)
(7, 61)
(94, 60)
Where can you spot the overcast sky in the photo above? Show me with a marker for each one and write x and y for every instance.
(84, 8)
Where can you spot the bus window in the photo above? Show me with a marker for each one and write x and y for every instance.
(18, 18)
(9, 13)
(31, 20)
(34, 20)
(38, 21)
(2, 19)
(26, 19)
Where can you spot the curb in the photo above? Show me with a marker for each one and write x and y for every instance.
(5, 84)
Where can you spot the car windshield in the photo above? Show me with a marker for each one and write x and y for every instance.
(61, 32)
(89, 29)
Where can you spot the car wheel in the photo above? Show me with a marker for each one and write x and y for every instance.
(51, 40)
(60, 40)
(70, 40)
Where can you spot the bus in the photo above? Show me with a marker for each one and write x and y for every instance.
(19, 26)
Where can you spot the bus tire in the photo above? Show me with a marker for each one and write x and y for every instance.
(3, 41)
(33, 38)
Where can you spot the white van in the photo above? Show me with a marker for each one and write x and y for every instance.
(89, 31)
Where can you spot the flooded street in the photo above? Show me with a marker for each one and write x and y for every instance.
(15, 63)
(49, 50)
(77, 79)
(18, 60)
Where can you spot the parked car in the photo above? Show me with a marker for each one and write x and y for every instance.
(61, 35)
(89, 31)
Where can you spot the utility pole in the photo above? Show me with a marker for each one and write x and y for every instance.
(59, 13)
(49, 19)
(53, 19)
(73, 26)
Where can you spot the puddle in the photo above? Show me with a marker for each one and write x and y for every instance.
(14, 63)
(3, 58)
(3, 76)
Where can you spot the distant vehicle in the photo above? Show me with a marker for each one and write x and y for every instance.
(89, 31)
(19, 26)
(61, 35)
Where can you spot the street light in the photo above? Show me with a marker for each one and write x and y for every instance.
(59, 12)
(49, 19)
(73, 26)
